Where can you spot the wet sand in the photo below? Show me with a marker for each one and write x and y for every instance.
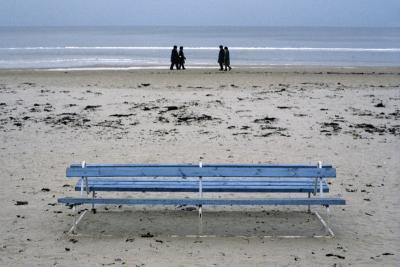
(348, 117)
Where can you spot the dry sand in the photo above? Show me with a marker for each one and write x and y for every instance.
(347, 117)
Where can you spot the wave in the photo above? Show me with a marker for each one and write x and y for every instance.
(307, 49)
(78, 60)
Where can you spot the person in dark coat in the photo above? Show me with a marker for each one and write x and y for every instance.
(221, 57)
(227, 59)
(182, 58)
(174, 58)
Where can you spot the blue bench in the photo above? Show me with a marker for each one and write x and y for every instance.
(202, 178)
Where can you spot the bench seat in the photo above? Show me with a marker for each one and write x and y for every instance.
(204, 201)
(300, 185)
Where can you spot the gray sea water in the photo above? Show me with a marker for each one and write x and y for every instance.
(149, 46)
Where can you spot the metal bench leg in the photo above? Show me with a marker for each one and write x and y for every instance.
(328, 214)
(74, 222)
(93, 197)
(321, 194)
(200, 191)
(76, 219)
(325, 224)
(200, 232)
(309, 206)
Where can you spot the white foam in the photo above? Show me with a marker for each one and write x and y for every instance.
(158, 67)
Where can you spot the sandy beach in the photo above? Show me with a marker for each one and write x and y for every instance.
(348, 117)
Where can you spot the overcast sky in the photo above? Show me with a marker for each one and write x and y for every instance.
(370, 13)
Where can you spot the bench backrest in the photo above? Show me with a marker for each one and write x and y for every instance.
(196, 170)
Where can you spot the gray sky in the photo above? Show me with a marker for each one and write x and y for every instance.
(372, 13)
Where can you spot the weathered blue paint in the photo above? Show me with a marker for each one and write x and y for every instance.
(156, 185)
(190, 170)
(204, 201)
(204, 165)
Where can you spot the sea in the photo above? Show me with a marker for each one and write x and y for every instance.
(130, 47)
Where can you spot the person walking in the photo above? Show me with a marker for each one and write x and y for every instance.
(221, 57)
(174, 58)
(227, 59)
(182, 58)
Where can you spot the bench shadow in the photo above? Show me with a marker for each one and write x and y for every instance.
(221, 223)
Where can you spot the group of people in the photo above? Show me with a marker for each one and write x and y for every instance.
(178, 58)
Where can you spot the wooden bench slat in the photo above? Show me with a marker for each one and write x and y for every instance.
(204, 201)
(205, 165)
(195, 171)
(208, 185)
(205, 180)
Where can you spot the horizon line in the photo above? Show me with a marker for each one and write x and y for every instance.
(182, 26)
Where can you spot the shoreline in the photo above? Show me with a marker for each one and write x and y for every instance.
(287, 68)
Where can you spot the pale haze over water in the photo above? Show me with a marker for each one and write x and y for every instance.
(125, 46)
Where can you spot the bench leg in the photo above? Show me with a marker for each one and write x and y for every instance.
(200, 192)
(326, 226)
(328, 214)
(74, 222)
(76, 219)
(309, 206)
(93, 196)
(200, 230)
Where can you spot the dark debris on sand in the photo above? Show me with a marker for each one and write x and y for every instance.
(266, 125)
(380, 105)
(122, 115)
(265, 120)
(369, 128)
(147, 235)
(21, 203)
(172, 108)
(330, 127)
(335, 255)
(183, 118)
(67, 119)
(92, 107)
